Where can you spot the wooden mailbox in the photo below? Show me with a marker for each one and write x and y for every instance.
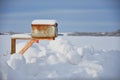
(40, 30)
(44, 29)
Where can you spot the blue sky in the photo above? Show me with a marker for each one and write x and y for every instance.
(71, 15)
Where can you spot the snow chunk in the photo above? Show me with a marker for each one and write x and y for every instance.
(80, 51)
(16, 60)
(52, 60)
(34, 52)
(7, 73)
(53, 75)
(44, 21)
(91, 68)
(65, 48)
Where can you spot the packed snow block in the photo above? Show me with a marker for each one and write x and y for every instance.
(44, 29)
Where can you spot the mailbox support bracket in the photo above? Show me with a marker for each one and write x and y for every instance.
(28, 45)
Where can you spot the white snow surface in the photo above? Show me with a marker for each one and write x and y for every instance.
(21, 36)
(43, 21)
(62, 58)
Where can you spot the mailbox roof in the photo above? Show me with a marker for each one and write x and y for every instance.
(39, 21)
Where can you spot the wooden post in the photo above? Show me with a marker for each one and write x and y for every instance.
(13, 45)
(27, 46)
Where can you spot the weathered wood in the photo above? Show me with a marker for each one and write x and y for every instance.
(13, 46)
(44, 38)
(32, 40)
(27, 46)
(40, 38)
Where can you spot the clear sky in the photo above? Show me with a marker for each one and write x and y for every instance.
(71, 15)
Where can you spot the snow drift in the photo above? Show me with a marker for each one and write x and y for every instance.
(58, 59)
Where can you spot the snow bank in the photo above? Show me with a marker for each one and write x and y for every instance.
(58, 59)
(64, 48)
(43, 62)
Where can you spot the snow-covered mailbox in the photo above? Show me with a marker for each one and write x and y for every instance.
(41, 29)
(44, 29)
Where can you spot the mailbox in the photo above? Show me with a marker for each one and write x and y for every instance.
(44, 29)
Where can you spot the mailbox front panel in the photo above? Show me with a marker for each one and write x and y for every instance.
(44, 31)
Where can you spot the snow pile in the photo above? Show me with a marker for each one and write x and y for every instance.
(64, 48)
(58, 59)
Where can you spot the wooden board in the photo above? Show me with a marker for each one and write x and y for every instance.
(29, 44)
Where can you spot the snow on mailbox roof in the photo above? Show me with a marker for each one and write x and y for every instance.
(43, 21)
